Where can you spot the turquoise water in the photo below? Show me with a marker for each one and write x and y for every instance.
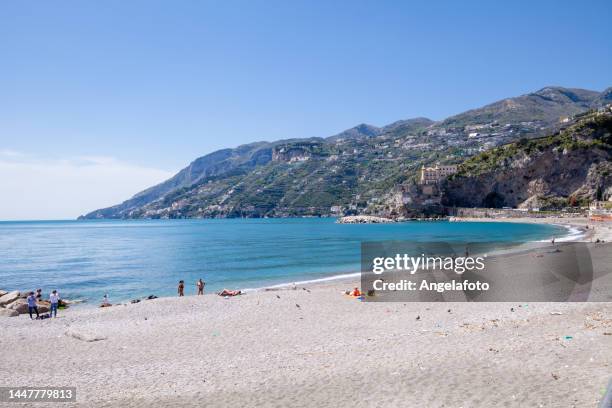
(128, 259)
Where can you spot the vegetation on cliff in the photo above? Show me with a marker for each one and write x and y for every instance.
(568, 168)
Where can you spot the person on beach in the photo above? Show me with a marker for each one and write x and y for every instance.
(181, 288)
(200, 285)
(227, 292)
(39, 294)
(54, 300)
(32, 305)
(105, 302)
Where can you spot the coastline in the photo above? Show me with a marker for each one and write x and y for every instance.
(575, 227)
(311, 345)
(579, 233)
(590, 230)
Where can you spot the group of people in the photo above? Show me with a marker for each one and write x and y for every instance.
(199, 286)
(34, 298)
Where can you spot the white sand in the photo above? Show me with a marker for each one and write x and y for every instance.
(332, 350)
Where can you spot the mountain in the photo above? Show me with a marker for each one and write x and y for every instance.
(359, 131)
(349, 172)
(547, 106)
(603, 98)
(571, 167)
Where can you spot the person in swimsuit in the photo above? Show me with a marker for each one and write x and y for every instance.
(181, 288)
(227, 292)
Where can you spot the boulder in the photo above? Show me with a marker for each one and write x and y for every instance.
(3, 292)
(21, 307)
(9, 298)
(8, 313)
(43, 308)
(16, 303)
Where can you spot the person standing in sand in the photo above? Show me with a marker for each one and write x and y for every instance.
(54, 299)
(200, 285)
(181, 288)
(32, 305)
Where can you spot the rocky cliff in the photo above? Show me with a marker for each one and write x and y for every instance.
(571, 167)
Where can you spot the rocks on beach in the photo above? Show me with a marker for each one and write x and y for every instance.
(364, 219)
(9, 298)
(14, 303)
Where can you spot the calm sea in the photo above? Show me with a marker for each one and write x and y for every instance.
(129, 259)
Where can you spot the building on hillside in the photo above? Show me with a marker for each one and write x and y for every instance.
(433, 175)
(601, 205)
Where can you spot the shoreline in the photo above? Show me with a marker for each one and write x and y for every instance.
(576, 233)
(591, 230)
(253, 350)
(311, 345)
(353, 276)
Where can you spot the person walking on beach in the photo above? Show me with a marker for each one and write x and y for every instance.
(54, 299)
(181, 288)
(32, 305)
(200, 285)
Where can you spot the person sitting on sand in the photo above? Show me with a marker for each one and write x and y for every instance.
(54, 299)
(32, 305)
(105, 301)
(227, 292)
(200, 285)
(181, 288)
(356, 292)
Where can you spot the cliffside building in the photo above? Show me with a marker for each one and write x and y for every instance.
(433, 175)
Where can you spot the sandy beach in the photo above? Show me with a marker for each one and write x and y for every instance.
(262, 349)
(313, 346)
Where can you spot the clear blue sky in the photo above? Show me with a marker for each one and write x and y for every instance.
(159, 83)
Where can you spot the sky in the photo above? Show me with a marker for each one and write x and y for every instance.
(100, 100)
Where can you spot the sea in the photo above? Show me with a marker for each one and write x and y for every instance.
(129, 259)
